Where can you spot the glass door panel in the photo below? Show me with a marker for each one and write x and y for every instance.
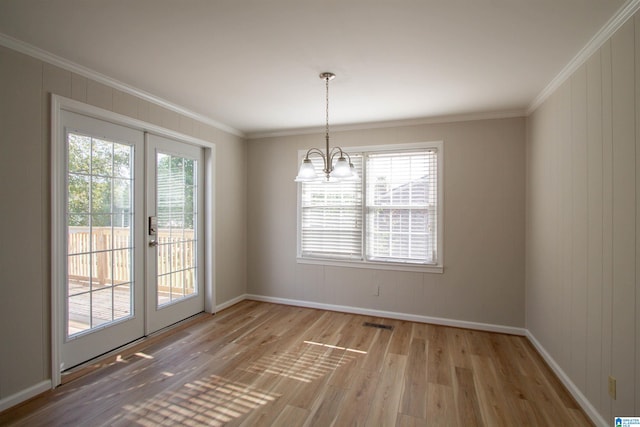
(103, 293)
(177, 212)
(100, 256)
(174, 260)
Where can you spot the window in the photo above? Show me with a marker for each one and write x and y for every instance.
(392, 217)
(331, 216)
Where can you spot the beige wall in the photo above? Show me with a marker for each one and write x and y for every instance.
(25, 87)
(583, 224)
(484, 219)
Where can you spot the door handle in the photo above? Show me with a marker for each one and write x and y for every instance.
(153, 243)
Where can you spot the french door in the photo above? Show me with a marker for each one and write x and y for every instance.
(175, 270)
(133, 230)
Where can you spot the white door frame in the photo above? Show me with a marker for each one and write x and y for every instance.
(59, 103)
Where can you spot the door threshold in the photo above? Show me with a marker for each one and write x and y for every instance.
(115, 356)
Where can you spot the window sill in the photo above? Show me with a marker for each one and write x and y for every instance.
(437, 269)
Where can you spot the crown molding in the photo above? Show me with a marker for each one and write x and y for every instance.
(596, 42)
(393, 123)
(43, 55)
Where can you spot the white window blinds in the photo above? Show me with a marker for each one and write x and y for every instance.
(390, 217)
(401, 206)
(331, 216)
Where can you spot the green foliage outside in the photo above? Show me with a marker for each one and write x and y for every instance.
(99, 182)
(100, 185)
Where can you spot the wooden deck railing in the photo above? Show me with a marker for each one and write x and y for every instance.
(104, 257)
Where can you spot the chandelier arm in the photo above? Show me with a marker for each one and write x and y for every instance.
(314, 150)
(334, 151)
(320, 153)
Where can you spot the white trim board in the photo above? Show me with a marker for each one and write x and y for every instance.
(584, 403)
(575, 392)
(68, 104)
(612, 25)
(231, 302)
(605, 33)
(392, 315)
(582, 400)
(25, 394)
(50, 58)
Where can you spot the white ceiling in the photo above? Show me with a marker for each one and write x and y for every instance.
(254, 64)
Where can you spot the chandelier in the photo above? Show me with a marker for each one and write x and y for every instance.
(342, 169)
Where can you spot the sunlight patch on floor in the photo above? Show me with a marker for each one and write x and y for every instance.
(313, 361)
(212, 401)
(143, 355)
(336, 347)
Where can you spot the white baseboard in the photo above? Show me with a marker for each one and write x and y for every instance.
(393, 315)
(573, 389)
(589, 409)
(597, 419)
(25, 394)
(231, 302)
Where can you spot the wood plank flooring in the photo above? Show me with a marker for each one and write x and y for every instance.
(260, 364)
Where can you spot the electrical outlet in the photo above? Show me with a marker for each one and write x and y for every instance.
(612, 387)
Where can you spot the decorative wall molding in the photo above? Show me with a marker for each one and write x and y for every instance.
(614, 23)
(596, 42)
(27, 49)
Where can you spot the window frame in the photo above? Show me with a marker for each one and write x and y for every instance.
(438, 267)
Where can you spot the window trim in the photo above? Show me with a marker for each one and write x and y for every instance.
(381, 265)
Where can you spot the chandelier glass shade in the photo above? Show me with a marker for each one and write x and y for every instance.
(341, 169)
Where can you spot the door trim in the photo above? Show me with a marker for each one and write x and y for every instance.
(59, 103)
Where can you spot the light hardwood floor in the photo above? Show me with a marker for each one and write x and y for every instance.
(266, 364)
